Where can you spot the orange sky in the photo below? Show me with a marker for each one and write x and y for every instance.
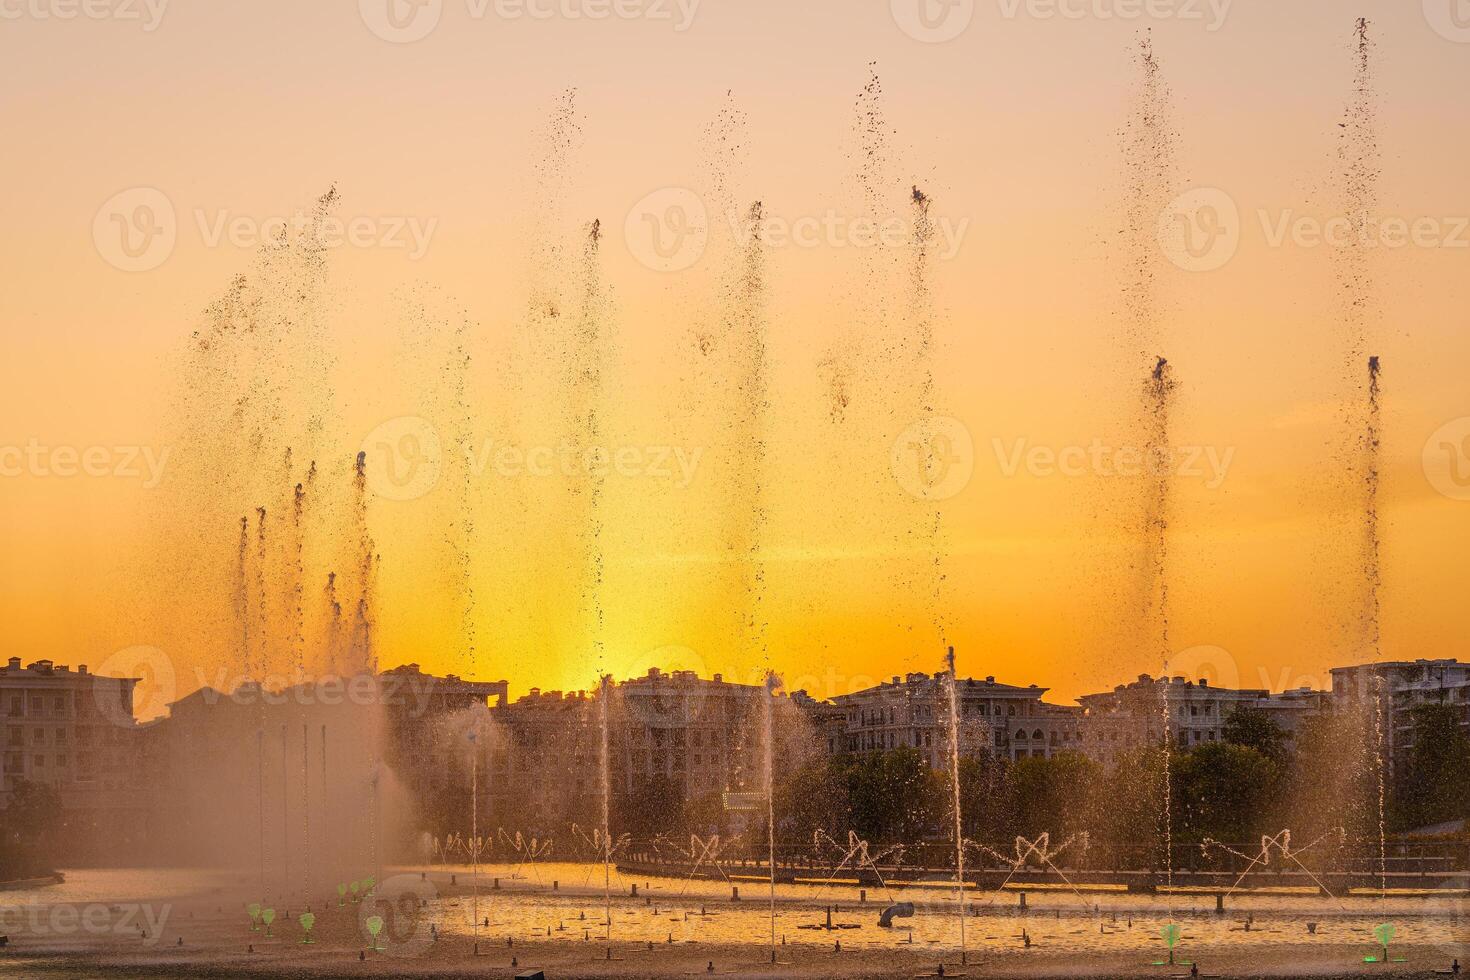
(236, 114)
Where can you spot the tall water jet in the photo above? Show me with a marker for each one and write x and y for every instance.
(1354, 265)
(918, 349)
(242, 595)
(1372, 451)
(768, 774)
(262, 598)
(952, 690)
(1158, 397)
(604, 696)
(587, 371)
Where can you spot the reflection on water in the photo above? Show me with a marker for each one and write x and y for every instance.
(560, 904)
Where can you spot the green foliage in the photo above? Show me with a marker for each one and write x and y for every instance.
(1331, 776)
(813, 797)
(654, 806)
(893, 796)
(1223, 791)
(1254, 729)
(1053, 795)
(1432, 787)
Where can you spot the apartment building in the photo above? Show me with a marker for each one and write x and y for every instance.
(1395, 688)
(73, 730)
(1189, 713)
(913, 711)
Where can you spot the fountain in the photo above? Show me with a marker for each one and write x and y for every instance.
(952, 685)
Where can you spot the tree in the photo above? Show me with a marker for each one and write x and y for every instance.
(1332, 778)
(893, 796)
(1053, 795)
(30, 828)
(1433, 787)
(1254, 729)
(813, 797)
(1223, 791)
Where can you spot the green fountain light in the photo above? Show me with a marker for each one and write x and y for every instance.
(342, 894)
(1384, 933)
(1171, 934)
(375, 926)
(307, 920)
(254, 909)
(268, 916)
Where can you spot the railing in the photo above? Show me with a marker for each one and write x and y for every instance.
(1356, 862)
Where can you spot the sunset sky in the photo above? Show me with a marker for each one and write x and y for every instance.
(202, 122)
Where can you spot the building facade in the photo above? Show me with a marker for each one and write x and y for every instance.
(1186, 713)
(914, 712)
(1394, 689)
(72, 730)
